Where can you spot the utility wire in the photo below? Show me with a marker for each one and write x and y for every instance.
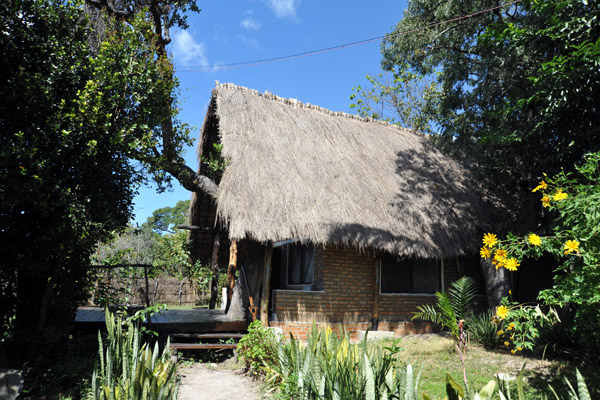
(254, 63)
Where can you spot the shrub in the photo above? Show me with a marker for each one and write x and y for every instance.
(131, 370)
(452, 306)
(482, 330)
(258, 348)
(330, 367)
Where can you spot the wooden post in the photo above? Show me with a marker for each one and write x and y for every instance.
(266, 287)
(231, 269)
(375, 321)
(214, 267)
(146, 294)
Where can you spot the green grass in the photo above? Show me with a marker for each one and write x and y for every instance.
(435, 355)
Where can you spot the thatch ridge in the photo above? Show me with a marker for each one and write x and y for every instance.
(302, 171)
(298, 104)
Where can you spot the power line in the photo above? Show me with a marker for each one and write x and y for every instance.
(254, 63)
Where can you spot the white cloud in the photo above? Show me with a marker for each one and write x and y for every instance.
(250, 23)
(283, 8)
(187, 51)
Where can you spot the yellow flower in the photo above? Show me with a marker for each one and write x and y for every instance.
(510, 292)
(512, 351)
(502, 312)
(543, 185)
(508, 328)
(499, 258)
(490, 240)
(546, 201)
(511, 264)
(559, 195)
(571, 246)
(500, 332)
(485, 252)
(500, 253)
(535, 239)
(519, 348)
(506, 343)
(512, 325)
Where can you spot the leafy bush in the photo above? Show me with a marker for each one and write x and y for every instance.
(128, 369)
(258, 348)
(482, 330)
(573, 200)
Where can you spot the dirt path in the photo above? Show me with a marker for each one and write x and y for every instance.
(213, 382)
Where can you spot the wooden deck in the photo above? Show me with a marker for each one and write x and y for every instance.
(169, 321)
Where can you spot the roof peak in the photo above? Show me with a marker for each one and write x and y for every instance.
(295, 103)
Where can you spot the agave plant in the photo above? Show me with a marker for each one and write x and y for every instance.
(331, 367)
(452, 306)
(130, 370)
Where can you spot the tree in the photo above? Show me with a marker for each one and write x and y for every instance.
(167, 219)
(574, 241)
(520, 92)
(401, 97)
(65, 180)
(521, 84)
(158, 145)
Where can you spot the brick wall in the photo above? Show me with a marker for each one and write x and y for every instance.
(343, 294)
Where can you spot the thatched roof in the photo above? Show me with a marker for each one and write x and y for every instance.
(300, 171)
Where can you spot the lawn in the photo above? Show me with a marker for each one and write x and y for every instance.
(434, 355)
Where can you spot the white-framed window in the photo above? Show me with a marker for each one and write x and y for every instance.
(299, 262)
(409, 275)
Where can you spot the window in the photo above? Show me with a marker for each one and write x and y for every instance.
(409, 275)
(299, 261)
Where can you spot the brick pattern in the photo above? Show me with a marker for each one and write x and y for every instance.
(342, 297)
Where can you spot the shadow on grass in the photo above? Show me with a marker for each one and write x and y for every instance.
(540, 380)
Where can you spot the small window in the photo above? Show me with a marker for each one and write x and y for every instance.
(300, 261)
(407, 275)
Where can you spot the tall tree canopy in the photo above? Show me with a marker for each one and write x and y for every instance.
(520, 83)
(65, 180)
(89, 107)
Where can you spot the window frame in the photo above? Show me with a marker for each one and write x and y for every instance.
(439, 263)
(286, 261)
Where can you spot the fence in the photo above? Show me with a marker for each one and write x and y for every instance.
(113, 287)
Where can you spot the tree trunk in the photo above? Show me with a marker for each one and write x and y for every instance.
(266, 287)
(231, 270)
(249, 280)
(496, 281)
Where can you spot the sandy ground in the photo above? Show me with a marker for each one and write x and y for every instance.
(215, 382)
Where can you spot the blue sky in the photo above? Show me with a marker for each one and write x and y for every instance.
(245, 30)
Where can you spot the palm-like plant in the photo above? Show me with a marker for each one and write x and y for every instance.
(452, 306)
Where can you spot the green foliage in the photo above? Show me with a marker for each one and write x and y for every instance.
(130, 369)
(401, 97)
(65, 183)
(574, 241)
(167, 219)
(452, 306)
(518, 82)
(330, 367)
(258, 348)
(482, 330)
(520, 329)
(214, 164)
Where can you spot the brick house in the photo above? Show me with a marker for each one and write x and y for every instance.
(329, 217)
